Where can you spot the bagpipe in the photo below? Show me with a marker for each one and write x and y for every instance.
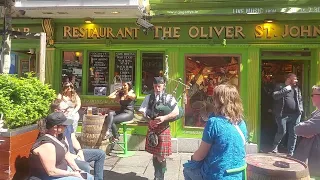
(165, 106)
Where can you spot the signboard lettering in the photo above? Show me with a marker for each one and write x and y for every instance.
(266, 31)
(308, 31)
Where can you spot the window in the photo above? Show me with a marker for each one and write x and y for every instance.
(72, 69)
(124, 66)
(203, 73)
(152, 65)
(98, 73)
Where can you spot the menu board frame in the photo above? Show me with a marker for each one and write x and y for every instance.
(23, 68)
(133, 68)
(98, 90)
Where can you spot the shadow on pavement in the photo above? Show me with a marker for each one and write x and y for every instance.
(111, 175)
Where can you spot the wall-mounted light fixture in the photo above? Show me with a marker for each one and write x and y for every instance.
(88, 20)
(31, 51)
(268, 20)
(78, 54)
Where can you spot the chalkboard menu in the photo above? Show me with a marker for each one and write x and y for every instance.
(98, 73)
(124, 65)
(24, 66)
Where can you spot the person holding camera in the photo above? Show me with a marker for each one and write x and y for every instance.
(126, 98)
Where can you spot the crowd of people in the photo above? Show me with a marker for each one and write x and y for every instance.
(223, 141)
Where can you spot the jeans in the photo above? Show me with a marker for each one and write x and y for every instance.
(96, 155)
(291, 120)
(192, 174)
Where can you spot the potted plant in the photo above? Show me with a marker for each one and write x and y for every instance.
(23, 101)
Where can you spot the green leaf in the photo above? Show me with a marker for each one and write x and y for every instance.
(24, 100)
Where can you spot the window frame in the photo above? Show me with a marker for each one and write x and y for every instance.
(238, 55)
(61, 67)
(150, 52)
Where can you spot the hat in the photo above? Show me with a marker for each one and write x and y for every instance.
(57, 118)
(158, 80)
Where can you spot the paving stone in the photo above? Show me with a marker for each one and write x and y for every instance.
(149, 172)
(134, 161)
(173, 167)
(114, 175)
(129, 169)
(174, 145)
(111, 160)
(188, 145)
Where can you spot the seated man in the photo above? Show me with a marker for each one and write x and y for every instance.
(82, 156)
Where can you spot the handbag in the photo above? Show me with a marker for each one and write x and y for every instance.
(153, 137)
(116, 85)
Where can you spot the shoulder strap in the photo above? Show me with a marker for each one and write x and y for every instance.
(241, 134)
(57, 141)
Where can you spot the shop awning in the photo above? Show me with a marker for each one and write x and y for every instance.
(230, 7)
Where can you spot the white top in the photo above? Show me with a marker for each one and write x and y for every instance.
(144, 105)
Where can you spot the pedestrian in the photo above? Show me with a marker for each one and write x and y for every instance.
(287, 109)
(308, 149)
(158, 140)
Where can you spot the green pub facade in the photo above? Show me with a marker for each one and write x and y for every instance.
(204, 51)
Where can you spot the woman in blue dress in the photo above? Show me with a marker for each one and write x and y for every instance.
(223, 141)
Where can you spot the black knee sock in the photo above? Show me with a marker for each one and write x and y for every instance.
(156, 166)
(159, 168)
(163, 166)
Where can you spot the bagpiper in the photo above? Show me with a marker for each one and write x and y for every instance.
(160, 109)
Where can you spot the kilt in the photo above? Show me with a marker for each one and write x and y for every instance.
(163, 148)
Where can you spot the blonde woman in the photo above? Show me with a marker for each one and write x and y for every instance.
(71, 102)
(223, 141)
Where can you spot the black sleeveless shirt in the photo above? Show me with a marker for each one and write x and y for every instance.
(36, 168)
(127, 104)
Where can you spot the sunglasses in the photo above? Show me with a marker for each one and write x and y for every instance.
(67, 86)
(315, 95)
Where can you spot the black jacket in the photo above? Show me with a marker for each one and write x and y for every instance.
(279, 94)
(308, 150)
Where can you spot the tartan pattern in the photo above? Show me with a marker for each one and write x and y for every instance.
(164, 146)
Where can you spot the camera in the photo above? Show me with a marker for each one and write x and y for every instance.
(22, 12)
(144, 23)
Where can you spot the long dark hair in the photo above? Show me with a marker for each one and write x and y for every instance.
(129, 83)
(130, 87)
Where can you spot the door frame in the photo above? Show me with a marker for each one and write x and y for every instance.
(307, 61)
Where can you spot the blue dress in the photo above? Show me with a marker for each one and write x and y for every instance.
(227, 150)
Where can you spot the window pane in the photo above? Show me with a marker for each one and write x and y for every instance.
(124, 66)
(98, 73)
(152, 65)
(72, 69)
(204, 73)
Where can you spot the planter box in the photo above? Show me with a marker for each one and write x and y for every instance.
(15, 148)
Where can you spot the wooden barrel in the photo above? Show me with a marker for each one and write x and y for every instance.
(93, 132)
(271, 167)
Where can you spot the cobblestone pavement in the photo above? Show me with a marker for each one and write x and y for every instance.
(139, 167)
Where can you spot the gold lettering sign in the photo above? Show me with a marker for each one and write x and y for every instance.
(24, 29)
(266, 31)
(100, 32)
